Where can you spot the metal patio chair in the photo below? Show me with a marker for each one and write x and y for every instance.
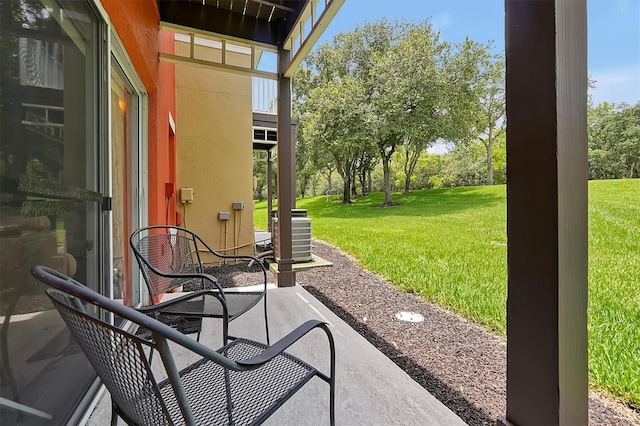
(242, 383)
(171, 257)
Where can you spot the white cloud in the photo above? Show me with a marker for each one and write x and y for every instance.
(617, 85)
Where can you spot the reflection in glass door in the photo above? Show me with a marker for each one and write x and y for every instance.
(125, 107)
(51, 192)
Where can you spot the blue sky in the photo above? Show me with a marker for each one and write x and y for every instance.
(613, 31)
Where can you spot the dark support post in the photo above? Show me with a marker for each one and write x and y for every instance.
(293, 166)
(546, 91)
(285, 277)
(269, 190)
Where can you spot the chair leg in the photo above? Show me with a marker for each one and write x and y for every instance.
(332, 407)
(229, 399)
(332, 378)
(114, 415)
(266, 319)
(225, 331)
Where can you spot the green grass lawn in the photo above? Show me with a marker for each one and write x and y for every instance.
(449, 245)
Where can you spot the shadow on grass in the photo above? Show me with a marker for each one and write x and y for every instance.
(422, 203)
(469, 413)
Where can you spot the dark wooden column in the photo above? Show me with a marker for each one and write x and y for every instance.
(269, 190)
(285, 276)
(546, 90)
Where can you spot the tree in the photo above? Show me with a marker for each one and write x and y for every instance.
(464, 165)
(614, 141)
(398, 84)
(327, 172)
(364, 166)
(490, 116)
(333, 108)
(305, 169)
(411, 94)
(333, 122)
(436, 93)
(367, 47)
(429, 171)
(260, 177)
(304, 175)
(481, 103)
(417, 100)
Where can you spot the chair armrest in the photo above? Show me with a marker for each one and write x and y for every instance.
(230, 256)
(190, 295)
(288, 340)
(206, 276)
(202, 275)
(265, 356)
(252, 258)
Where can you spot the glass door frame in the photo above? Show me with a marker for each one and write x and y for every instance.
(139, 157)
(115, 51)
(100, 118)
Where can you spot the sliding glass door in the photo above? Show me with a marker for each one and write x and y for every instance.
(127, 105)
(52, 160)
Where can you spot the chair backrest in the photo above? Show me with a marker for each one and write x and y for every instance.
(119, 357)
(165, 250)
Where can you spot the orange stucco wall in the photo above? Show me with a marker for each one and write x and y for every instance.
(137, 25)
(163, 165)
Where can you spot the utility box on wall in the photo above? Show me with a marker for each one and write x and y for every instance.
(300, 238)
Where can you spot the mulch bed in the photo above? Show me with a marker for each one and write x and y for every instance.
(458, 362)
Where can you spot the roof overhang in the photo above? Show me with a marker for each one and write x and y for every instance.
(266, 25)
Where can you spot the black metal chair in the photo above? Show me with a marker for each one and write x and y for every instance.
(242, 383)
(171, 257)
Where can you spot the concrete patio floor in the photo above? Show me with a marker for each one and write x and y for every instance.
(371, 389)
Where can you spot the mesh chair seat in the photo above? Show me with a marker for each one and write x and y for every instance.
(209, 386)
(186, 316)
(237, 304)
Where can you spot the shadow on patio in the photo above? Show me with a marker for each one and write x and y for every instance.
(371, 389)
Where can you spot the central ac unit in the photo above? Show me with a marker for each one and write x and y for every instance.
(300, 238)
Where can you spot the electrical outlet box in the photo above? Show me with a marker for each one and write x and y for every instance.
(186, 195)
(224, 215)
(238, 205)
(169, 189)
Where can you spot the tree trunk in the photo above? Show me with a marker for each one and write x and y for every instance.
(489, 146)
(354, 189)
(363, 181)
(490, 162)
(346, 190)
(386, 159)
(369, 182)
(303, 184)
(407, 174)
(387, 179)
(314, 185)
